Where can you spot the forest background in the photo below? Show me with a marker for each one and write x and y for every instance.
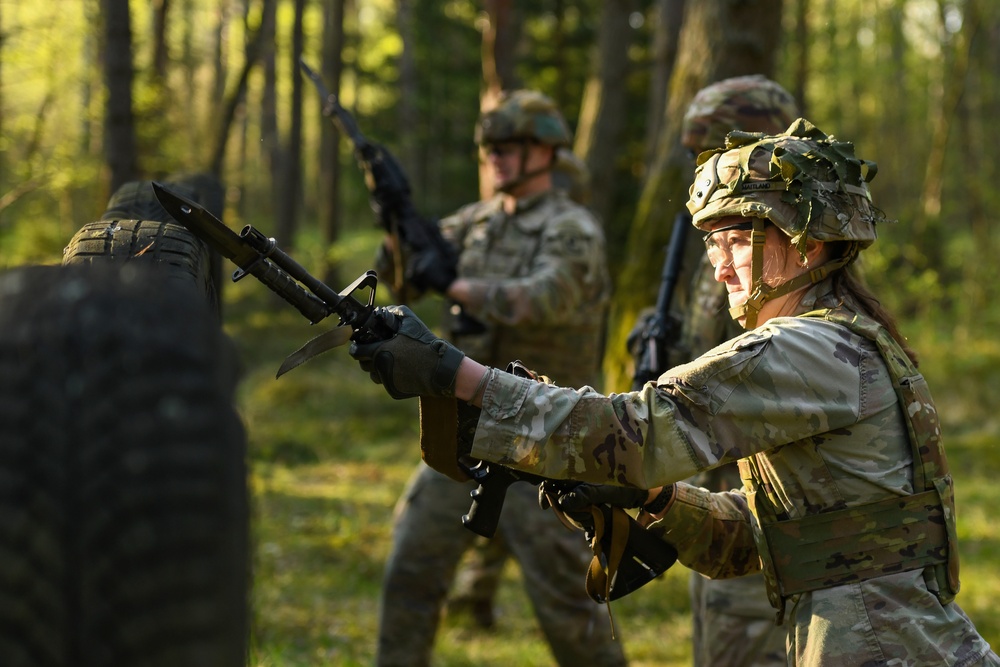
(96, 93)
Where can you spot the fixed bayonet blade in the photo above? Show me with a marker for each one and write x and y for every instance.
(206, 226)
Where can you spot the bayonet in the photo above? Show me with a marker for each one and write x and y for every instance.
(257, 255)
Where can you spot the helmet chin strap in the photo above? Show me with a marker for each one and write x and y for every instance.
(762, 292)
(523, 175)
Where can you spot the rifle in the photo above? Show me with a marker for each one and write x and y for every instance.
(628, 554)
(663, 328)
(259, 256)
(390, 198)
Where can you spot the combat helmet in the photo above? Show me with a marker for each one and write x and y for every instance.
(805, 182)
(523, 115)
(750, 103)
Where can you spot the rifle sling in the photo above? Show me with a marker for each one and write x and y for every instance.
(604, 566)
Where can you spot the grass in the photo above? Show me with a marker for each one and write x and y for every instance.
(330, 453)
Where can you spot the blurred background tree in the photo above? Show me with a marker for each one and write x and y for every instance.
(96, 92)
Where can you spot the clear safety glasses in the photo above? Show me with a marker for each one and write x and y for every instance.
(726, 242)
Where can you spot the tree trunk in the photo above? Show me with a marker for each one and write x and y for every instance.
(408, 90)
(220, 38)
(119, 124)
(719, 39)
(978, 276)
(291, 192)
(801, 55)
(189, 61)
(329, 159)
(668, 16)
(602, 116)
(263, 39)
(954, 74)
(161, 56)
(499, 39)
(270, 144)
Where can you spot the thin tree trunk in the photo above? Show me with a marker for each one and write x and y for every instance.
(329, 163)
(120, 153)
(220, 53)
(801, 51)
(229, 106)
(408, 89)
(499, 38)
(953, 86)
(161, 56)
(602, 115)
(668, 16)
(269, 138)
(287, 222)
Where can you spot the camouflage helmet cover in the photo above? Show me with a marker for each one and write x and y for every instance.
(523, 114)
(751, 103)
(807, 183)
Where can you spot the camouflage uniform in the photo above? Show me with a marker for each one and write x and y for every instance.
(540, 286)
(478, 576)
(828, 417)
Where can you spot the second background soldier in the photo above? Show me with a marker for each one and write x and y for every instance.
(531, 284)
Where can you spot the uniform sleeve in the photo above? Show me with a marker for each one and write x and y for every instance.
(769, 388)
(710, 531)
(569, 270)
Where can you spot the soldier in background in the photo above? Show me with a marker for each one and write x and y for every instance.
(733, 622)
(531, 284)
(478, 577)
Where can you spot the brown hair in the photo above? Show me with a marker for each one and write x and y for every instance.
(849, 286)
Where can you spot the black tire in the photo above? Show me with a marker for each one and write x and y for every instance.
(136, 227)
(123, 498)
(115, 242)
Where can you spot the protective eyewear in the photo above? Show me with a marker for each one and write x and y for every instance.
(717, 247)
(503, 150)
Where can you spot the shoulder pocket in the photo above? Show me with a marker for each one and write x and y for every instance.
(709, 380)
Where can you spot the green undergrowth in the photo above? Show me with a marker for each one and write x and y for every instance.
(330, 453)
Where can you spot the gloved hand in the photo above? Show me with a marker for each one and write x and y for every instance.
(429, 270)
(583, 496)
(639, 332)
(551, 491)
(414, 362)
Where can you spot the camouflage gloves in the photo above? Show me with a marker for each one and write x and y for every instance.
(414, 362)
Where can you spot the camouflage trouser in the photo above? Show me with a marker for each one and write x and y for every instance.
(479, 574)
(428, 543)
(733, 623)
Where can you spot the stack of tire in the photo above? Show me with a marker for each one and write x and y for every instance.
(124, 536)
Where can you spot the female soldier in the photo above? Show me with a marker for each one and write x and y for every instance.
(847, 504)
